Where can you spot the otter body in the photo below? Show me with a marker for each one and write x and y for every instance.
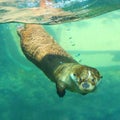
(41, 49)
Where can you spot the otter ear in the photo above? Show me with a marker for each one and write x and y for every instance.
(99, 80)
(101, 76)
(60, 90)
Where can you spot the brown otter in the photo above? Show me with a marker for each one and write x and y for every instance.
(41, 49)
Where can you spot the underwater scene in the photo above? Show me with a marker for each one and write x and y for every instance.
(26, 93)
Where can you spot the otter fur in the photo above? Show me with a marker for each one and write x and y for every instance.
(42, 50)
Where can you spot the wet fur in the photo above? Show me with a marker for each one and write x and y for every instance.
(41, 49)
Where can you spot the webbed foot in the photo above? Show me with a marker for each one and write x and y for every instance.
(60, 90)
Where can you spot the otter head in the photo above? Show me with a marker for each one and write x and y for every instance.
(85, 78)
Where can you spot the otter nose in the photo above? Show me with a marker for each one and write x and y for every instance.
(85, 85)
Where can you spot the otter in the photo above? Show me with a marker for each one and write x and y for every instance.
(59, 66)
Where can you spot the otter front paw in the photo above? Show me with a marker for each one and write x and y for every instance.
(60, 90)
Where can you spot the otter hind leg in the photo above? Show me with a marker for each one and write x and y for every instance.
(60, 88)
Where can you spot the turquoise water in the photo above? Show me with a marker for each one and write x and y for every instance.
(27, 94)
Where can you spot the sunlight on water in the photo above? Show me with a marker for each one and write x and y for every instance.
(53, 12)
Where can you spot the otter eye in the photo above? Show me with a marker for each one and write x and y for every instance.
(80, 79)
(74, 74)
(93, 80)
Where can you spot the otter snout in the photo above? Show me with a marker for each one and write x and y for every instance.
(85, 85)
